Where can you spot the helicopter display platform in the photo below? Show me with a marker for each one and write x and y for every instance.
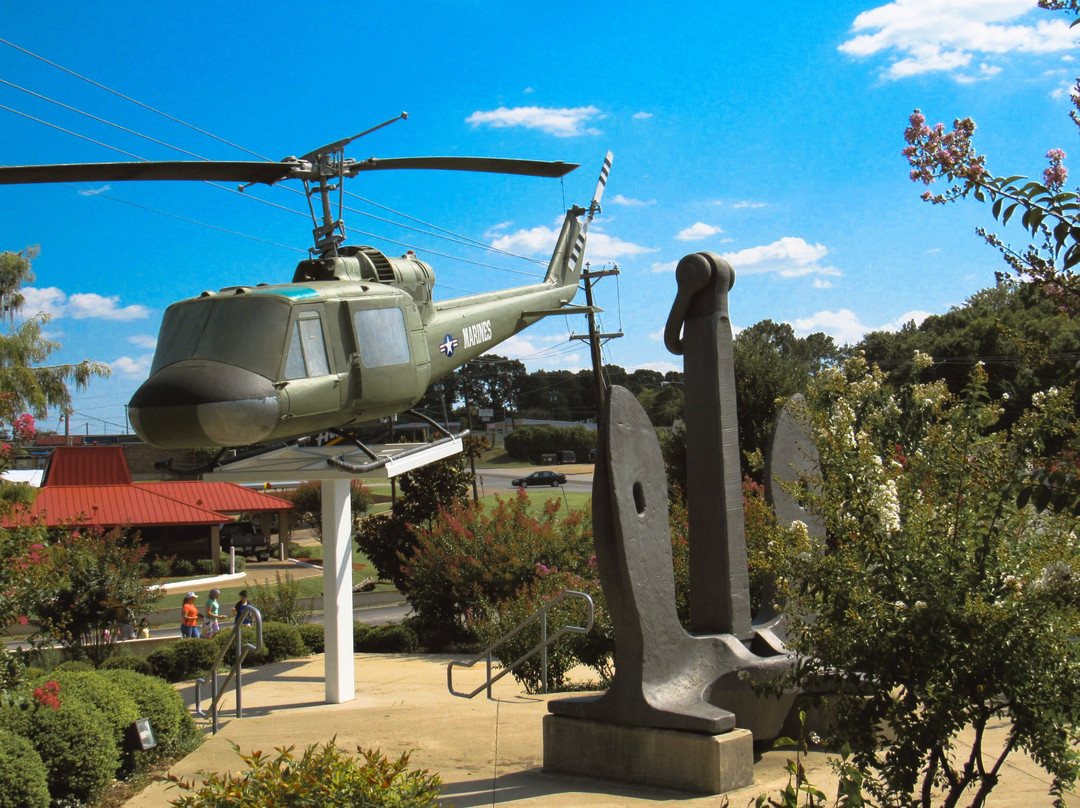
(340, 461)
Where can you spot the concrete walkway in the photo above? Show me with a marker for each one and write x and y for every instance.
(487, 752)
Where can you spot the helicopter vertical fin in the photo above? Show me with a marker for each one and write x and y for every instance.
(565, 266)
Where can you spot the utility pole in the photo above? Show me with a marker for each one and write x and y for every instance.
(594, 337)
(468, 422)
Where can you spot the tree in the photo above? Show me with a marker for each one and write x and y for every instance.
(940, 602)
(29, 385)
(386, 539)
(78, 586)
(771, 364)
(1047, 211)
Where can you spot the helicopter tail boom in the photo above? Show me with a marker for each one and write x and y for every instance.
(565, 266)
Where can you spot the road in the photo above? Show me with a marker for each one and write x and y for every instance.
(497, 481)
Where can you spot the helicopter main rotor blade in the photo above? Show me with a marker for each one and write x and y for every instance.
(222, 171)
(493, 165)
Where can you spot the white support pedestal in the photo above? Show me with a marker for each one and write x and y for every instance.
(337, 590)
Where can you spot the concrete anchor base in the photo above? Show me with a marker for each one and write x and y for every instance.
(663, 758)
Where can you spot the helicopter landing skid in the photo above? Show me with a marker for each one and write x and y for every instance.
(377, 461)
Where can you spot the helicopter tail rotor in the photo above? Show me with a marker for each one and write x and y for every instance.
(565, 266)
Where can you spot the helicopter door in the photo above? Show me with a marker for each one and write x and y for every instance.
(383, 375)
(310, 388)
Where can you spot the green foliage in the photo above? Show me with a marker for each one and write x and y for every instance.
(314, 637)
(322, 775)
(771, 365)
(127, 662)
(174, 728)
(23, 779)
(388, 538)
(960, 607)
(186, 659)
(307, 504)
(472, 557)
(388, 639)
(280, 602)
(359, 632)
(102, 694)
(527, 443)
(75, 744)
(282, 641)
(84, 582)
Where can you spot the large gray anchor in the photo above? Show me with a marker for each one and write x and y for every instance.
(666, 677)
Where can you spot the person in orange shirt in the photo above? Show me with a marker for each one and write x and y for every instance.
(189, 612)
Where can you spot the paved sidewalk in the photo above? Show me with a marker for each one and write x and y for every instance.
(486, 752)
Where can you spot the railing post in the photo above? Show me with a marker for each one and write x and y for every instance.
(543, 653)
(489, 674)
(237, 663)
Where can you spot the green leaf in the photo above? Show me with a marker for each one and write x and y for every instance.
(996, 210)
(1009, 212)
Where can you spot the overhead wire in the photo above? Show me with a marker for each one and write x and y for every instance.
(435, 230)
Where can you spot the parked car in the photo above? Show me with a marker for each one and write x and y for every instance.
(551, 478)
(246, 539)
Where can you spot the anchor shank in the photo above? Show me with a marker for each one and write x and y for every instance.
(719, 582)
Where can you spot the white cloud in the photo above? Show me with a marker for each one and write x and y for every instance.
(642, 116)
(94, 191)
(822, 283)
(126, 366)
(789, 257)
(79, 306)
(845, 327)
(664, 266)
(698, 231)
(541, 240)
(147, 341)
(619, 199)
(659, 367)
(84, 306)
(565, 122)
(747, 204)
(923, 36)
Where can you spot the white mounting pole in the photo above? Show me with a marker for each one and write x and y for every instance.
(337, 590)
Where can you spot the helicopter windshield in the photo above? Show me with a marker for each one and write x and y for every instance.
(243, 330)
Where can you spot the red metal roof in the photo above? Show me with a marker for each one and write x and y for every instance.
(218, 496)
(91, 485)
(111, 506)
(87, 465)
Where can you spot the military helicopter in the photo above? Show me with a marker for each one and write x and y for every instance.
(356, 335)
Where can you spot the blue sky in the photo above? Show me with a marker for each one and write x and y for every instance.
(769, 133)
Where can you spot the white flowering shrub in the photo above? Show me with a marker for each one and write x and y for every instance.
(938, 602)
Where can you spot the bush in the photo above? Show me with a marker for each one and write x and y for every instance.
(174, 728)
(282, 641)
(228, 638)
(127, 662)
(391, 639)
(184, 566)
(162, 566)
(322, 775)
(75, 744)
(184, 659)
(74, 665)
(280, 602)
(314, 637)
(472, 558)
(24, 782)
(301, 551)
(102, 694)
(359, 633)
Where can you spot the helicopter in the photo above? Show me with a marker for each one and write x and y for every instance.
(356, 336)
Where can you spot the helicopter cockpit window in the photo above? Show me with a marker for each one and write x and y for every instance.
(307, 349)
(381, 336)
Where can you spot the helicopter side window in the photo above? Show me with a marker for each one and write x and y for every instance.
(307, 349)
(381, 335)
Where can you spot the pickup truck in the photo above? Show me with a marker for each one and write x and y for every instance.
(246, 540)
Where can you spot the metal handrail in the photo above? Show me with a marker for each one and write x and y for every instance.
(545, 641)
(242, 649)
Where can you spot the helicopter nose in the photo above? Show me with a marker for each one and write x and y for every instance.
(195, 403)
